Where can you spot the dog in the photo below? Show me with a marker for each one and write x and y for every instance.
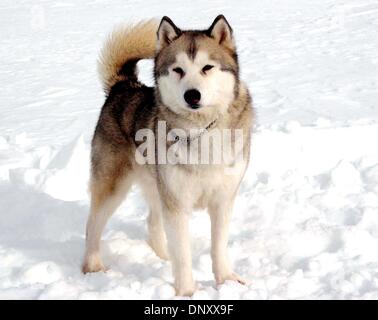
(197, 87)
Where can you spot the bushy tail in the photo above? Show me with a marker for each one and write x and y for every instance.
(124, 48)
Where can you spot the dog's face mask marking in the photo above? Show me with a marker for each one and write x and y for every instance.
(193, 85)
(196, 70)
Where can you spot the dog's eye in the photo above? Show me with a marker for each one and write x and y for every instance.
(179, 71)
(207, 68)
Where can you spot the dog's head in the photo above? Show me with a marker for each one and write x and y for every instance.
(196, 70)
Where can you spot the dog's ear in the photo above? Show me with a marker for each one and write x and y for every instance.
(221, 31)
(167, 32)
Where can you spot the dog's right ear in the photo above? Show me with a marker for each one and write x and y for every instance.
(167, 32)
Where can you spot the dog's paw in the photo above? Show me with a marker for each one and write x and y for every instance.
(93, 264)
(163, 254)
(160, 250)
(232, 276)
(186, 291)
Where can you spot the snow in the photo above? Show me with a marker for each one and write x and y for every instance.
(305, 222)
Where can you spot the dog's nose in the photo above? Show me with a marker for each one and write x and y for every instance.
(192, 97)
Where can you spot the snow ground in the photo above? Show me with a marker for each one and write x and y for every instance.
(305, 223)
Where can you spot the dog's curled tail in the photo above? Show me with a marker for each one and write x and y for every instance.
(125, 46)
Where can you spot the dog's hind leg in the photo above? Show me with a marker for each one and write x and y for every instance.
(107, 192)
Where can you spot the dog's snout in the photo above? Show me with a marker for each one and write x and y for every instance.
(192, 97)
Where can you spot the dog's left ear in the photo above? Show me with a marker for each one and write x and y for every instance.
(221, 31)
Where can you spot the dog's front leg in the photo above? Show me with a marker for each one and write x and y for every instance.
(177, 232)
(220, 213)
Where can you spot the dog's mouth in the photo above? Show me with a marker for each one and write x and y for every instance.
(195, 106)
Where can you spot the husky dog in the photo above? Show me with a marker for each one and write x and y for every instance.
(197, 86)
